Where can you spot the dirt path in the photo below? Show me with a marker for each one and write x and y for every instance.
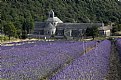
(114, 72)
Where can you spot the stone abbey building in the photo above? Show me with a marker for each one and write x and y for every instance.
(54, 26)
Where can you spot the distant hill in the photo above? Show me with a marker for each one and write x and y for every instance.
(20, 12)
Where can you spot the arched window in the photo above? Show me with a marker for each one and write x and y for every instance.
(51, 15)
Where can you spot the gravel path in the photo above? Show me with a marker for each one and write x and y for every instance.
(114, 72)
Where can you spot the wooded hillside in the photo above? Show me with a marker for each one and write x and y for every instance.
(22, 13)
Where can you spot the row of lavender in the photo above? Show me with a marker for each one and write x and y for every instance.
(23, 44)
(91, 66)
(118, 45)
(39, 60)
(27, 44)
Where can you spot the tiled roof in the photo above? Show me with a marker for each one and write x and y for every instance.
(39, 24)
(78, 25)
(55, 19)
(105, 28)
(66, 25)
(49, 26)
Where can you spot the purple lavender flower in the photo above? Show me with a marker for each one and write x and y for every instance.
(37, 60)
(91, 66)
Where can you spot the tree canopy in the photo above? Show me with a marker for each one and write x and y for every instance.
(9, 29)
(21, 12)
(93, 31)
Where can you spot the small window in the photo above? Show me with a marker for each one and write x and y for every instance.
(51, 15)
(75, 33)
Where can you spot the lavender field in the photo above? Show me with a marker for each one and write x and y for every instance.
(118, 45)
(91, 66)
(56, 60)
(37, 60)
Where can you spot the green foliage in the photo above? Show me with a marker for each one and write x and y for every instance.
(10, 30)
(24, 34)
(116, 28)
(93, 31)
(25, 12)
(119, 27)
(3, 38)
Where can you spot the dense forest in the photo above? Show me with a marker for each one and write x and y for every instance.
(18, 16)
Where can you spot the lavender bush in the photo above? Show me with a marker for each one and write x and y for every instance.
(118, 45)
(91, 66)
(34, 62)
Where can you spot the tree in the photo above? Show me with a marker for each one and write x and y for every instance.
(24, 32)
(119, 27)
(93, 31)
(29, 25)
(116, 28)
(0, 26)
(10, 30)
(28, 11)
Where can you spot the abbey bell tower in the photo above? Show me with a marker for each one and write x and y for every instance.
(51, 14)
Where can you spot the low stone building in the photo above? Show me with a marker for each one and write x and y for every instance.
(105, 30)
(53, 26)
